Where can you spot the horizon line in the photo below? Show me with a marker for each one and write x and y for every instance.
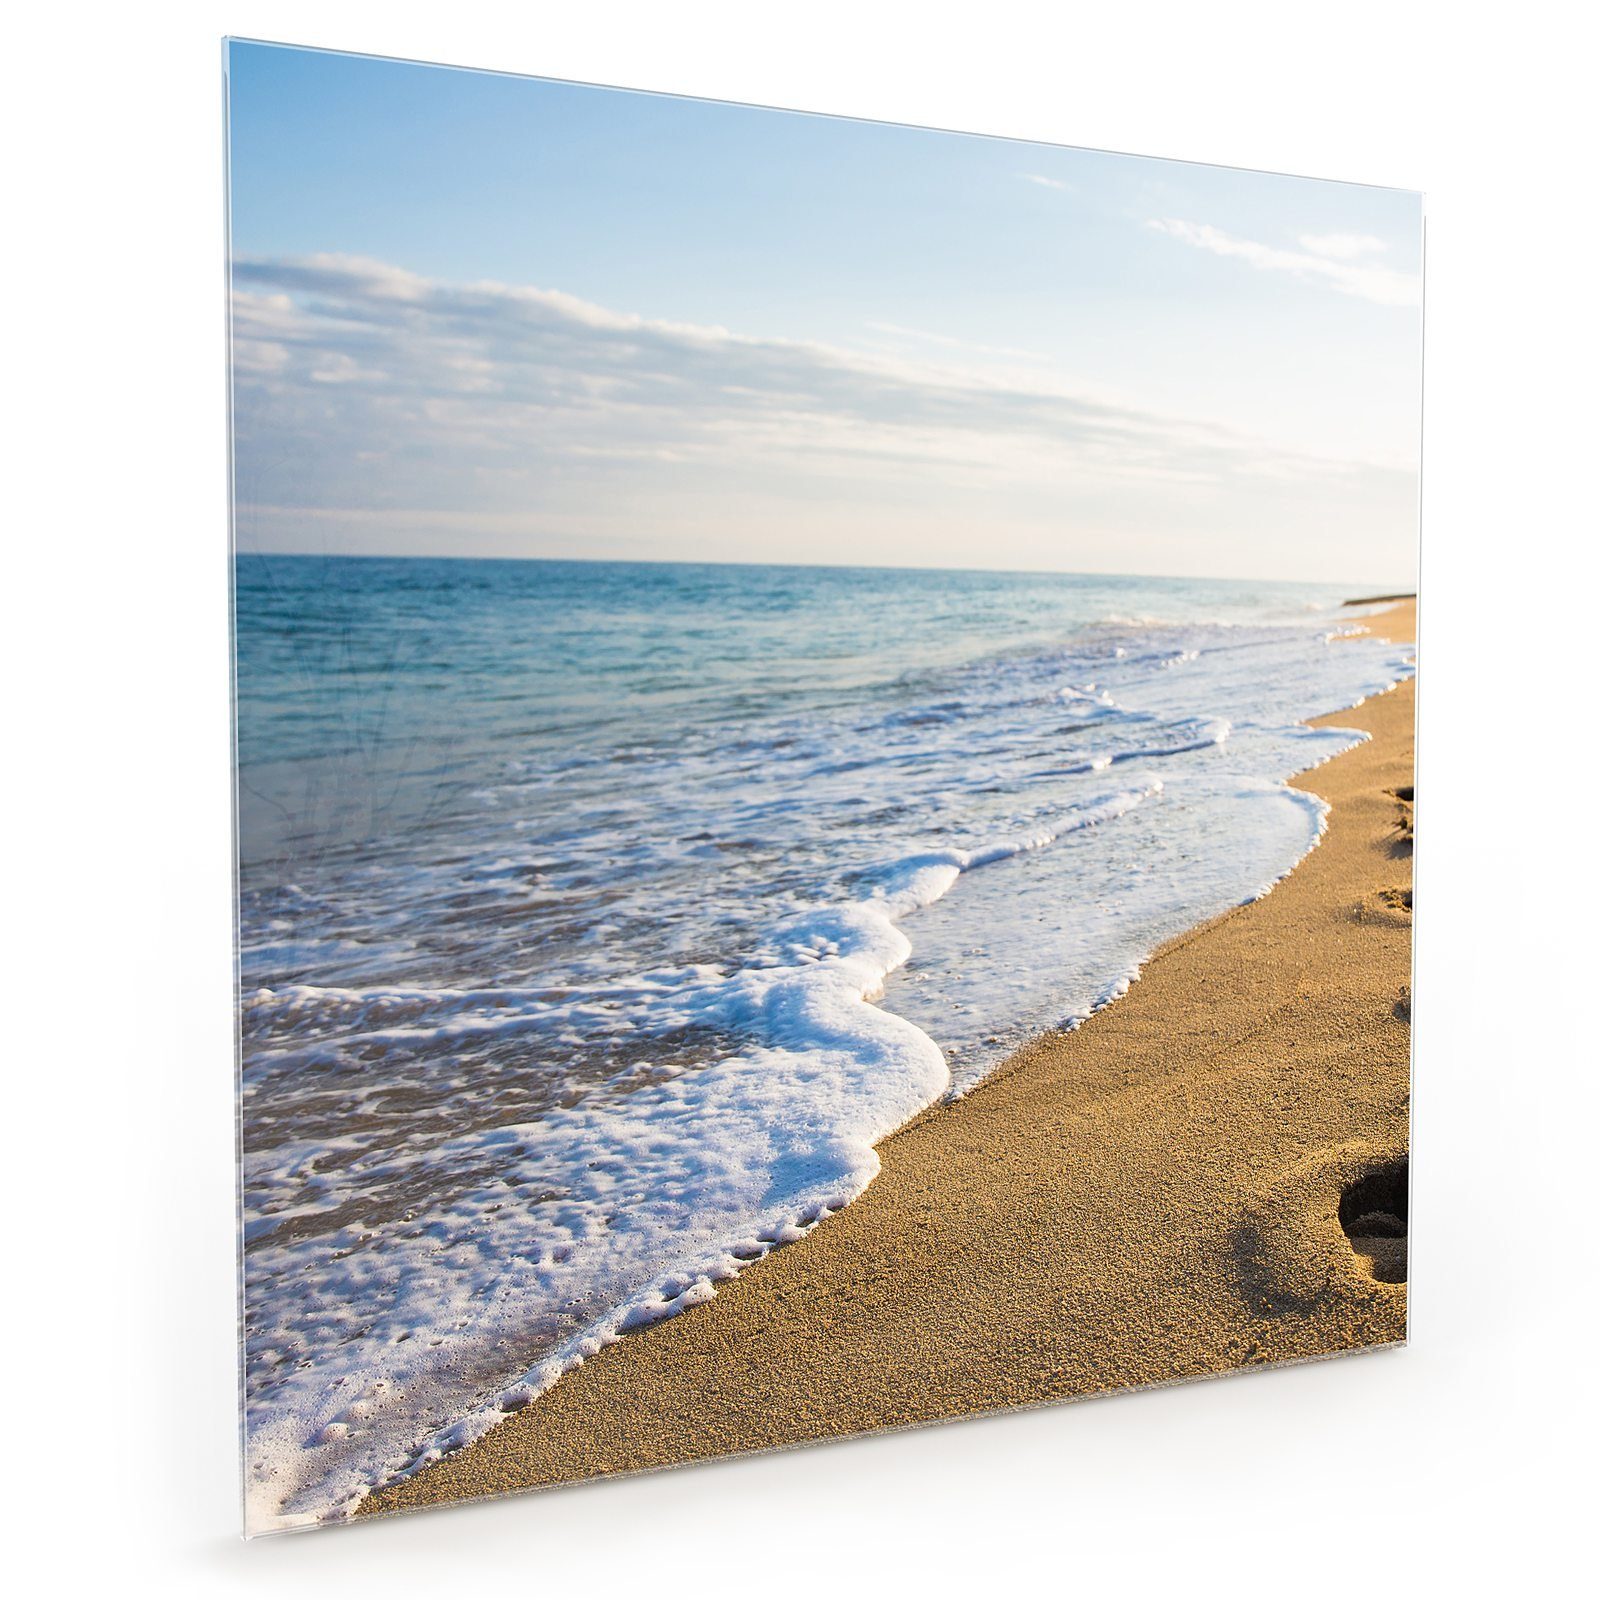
(803, 566)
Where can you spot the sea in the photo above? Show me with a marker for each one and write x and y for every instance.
(597, 919)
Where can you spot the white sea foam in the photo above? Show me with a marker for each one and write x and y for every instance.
(597, 1220)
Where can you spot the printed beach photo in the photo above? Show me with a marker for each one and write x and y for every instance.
(824, 737)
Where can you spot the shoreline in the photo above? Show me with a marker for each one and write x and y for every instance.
(1169, 1179)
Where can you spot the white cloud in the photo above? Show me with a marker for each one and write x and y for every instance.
(946, 341)
(394, 411)
(1342, 246)
(1383, 286)
(1046, 183)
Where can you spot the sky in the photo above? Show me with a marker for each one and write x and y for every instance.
(482, 315)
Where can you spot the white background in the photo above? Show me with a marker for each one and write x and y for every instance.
(1457, 1461)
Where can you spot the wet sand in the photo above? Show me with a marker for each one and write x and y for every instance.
(1156, 1195)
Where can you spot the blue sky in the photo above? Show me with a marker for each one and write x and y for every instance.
(488, 315)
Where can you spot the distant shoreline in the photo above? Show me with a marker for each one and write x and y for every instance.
(1182, 1187)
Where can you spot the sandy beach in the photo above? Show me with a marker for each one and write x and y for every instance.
(1207, 1175)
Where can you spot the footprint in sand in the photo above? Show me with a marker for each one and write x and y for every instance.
(1391, 905)
(1328, 1237)
(1405, 799)
(1372, 1212)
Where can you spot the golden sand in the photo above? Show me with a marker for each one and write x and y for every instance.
(1155, 1195)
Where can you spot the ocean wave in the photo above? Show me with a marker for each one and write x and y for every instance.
(639, 1206)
